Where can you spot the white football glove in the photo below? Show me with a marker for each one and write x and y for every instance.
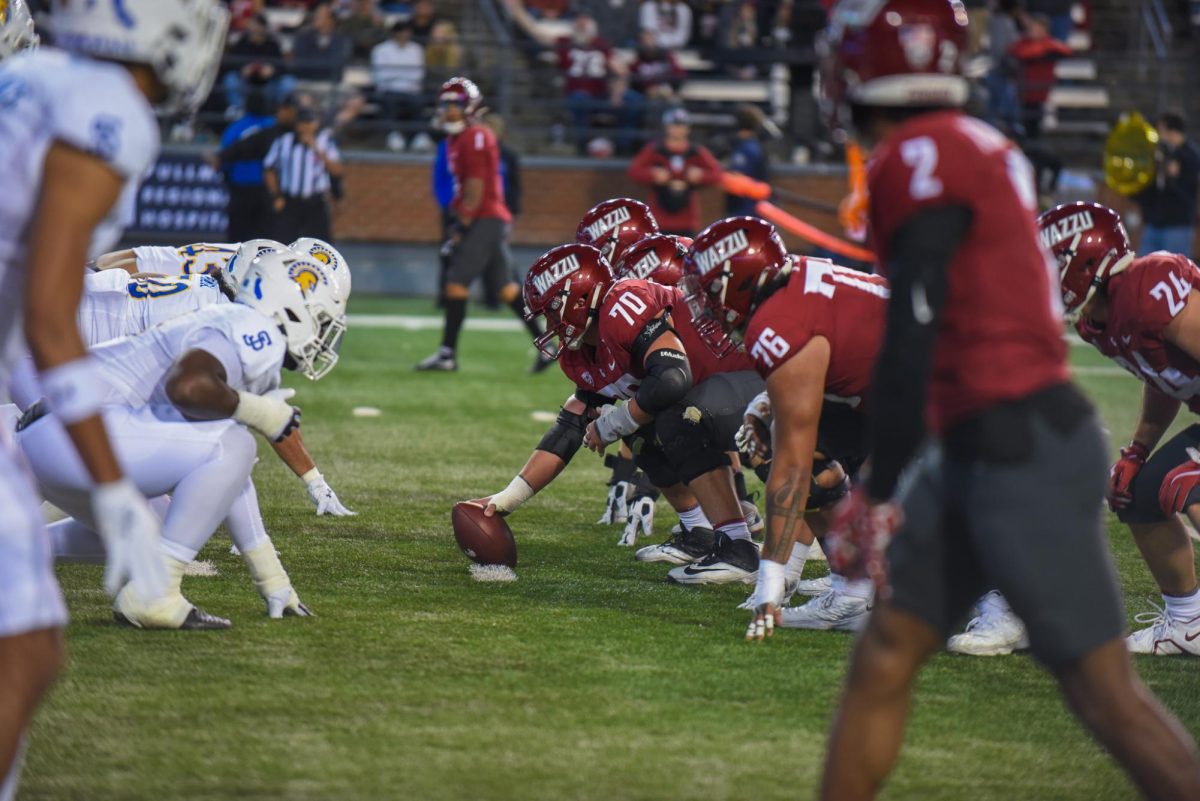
(270, 414)
(324, 498)
(616, 510)
(131, 533)
(640, 522)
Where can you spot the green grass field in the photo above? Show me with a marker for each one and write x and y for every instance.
(590, 677)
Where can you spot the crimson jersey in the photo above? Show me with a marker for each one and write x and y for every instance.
(1142, 300)
(474, 153)
(845, 306)
(585, 67)
(627, 308)
(1000, 334)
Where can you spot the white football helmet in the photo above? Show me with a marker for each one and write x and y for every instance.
(328, 255)
(297, 294)
(247, 252)
(182, 40)
(16, 28)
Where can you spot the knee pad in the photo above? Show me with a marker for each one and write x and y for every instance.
(685, 435)
(457, 291)
(654, 465)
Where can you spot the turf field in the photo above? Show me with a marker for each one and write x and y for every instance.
(588, 678)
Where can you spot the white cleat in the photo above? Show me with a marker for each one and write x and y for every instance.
(996, 631)
(831, 611)
(1165, 636)
(814, 587)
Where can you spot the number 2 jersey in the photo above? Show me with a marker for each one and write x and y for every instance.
(1000, 332)
(820, 299)
(116, 305)
(1142, 300)
(48, 96)
(248, 345)
(613, 368)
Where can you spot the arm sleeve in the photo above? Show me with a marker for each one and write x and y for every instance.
(921, 252)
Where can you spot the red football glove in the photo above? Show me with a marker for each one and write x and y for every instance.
(1120, 478)
(858, 536)
(1173, 494)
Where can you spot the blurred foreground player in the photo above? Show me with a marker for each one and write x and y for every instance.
(85, 130)
(479, 240)
(1143, 313)
(1008, 495)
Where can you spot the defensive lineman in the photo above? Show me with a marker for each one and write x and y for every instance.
(85, 132)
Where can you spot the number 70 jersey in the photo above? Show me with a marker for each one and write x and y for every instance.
(1142, 301)
(821, 299)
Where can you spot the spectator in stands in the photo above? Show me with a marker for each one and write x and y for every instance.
(747, 158)
(1036, 53)
(443, 55)
(742, 34)
(804, 20)
(241, 12)
(1004, 30)
(256, 56)
(655, 74)
(594, 82)
(1169, 204)
(243, 147)
(669, 20)
(398, 70)
(548, 9)
(617, 19)
(423, 21)
(363, 26)
(319, 52)
(673, 167)
(1058, 12)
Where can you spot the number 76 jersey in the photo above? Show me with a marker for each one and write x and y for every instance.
(821, 299)
(1142, 300)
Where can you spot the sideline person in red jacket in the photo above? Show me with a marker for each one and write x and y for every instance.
(674, 167)
(1036, 52)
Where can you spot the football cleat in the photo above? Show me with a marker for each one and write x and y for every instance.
(996, 631)
(754, 520)
(196, 620)
(438, 362)
(730, 561)
(284, 602)
(1165, 636)
(684, 547)
(831, 611)
(812, 587)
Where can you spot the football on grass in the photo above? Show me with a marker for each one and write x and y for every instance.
(486, 540)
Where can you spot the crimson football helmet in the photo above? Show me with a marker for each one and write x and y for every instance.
(616, 224)
(729, 264)
(1090, 245)
(658, 258)
(894, 53)
(566, 286)
(461, 92)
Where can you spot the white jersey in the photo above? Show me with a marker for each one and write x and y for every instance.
(48, 96)
(248, 344)
(115, 305)
(199, 258)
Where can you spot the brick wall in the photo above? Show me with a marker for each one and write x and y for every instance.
(392, 201)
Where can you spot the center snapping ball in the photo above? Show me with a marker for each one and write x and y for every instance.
(486, 540)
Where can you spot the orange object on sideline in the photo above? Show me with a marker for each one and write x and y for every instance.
(816, 236)
(745, 186)
(852, 211)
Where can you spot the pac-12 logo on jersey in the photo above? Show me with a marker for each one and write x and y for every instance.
(257, 341)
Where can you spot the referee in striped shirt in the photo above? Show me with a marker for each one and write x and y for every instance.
(298, 173)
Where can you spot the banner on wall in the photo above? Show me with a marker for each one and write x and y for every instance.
(182, 199)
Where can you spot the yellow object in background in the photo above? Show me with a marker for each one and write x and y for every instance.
(1129, 154)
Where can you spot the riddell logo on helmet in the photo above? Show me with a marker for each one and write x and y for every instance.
(646, 265)
(1066, 228)
(727, 248)
(608, 222)
(560, 270)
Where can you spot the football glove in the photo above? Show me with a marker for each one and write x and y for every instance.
(640, 522)
(615, 422)
(1177, 487)
(1120, 478)
(616, 510)
(323, 496)
(130, 531)
(858, 536)
(753, 441)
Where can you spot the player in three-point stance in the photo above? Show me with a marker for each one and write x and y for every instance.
(1008, 494)
(84, 132)
(1143, 313)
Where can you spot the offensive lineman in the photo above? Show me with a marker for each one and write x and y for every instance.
(1008, 495)
(1143, 314)
(85, 132)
